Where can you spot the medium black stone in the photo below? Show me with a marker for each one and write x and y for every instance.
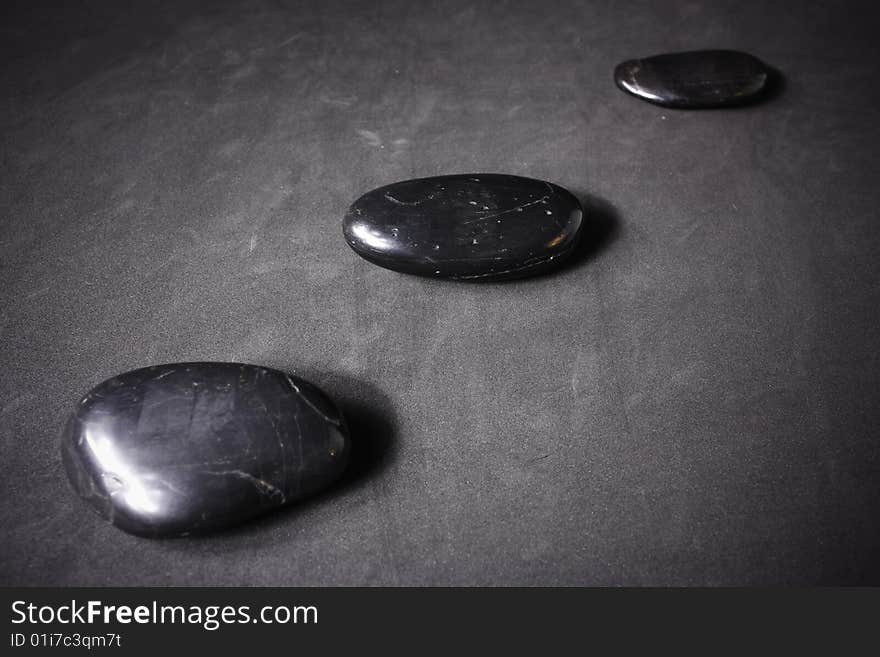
(191, 447)
(468, 226)
(702, 78)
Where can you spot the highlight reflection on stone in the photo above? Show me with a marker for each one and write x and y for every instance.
(466, 226)
(701, 78)
(192, 447)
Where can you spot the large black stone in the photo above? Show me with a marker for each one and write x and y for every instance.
(191, 447)
(702, 78)
(469, 226)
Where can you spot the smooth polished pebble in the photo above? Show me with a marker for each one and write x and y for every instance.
(466, 226)
(192, 447)
(696, 79)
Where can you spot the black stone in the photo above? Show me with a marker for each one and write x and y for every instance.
(469, 226)
(702, 78)
(193, 447)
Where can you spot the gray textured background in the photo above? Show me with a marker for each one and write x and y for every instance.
(695, 401)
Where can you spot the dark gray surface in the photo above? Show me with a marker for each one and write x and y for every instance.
(694, 402)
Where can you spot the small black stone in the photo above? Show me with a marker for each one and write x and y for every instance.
(701, 78)
(467, 226)
(192, 447)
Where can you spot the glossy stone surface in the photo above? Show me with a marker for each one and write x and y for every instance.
(702, 78)
(468, 226)
(191, 447)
